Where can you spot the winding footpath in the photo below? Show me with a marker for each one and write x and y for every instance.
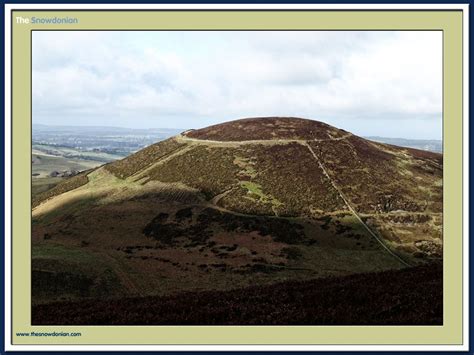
(183, 139)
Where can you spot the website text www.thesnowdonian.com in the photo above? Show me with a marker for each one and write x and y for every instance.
(48, 334)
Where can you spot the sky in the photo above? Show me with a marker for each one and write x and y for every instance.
(371, 83)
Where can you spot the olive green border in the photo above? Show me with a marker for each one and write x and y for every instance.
(450, 22)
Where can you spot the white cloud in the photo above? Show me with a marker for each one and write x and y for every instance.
(193, 79)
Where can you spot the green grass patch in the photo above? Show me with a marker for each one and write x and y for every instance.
(60, 188)
(256, 189)
(253, 187)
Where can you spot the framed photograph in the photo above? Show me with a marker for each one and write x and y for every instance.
(236, 177)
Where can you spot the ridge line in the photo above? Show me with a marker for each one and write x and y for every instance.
(181, 137)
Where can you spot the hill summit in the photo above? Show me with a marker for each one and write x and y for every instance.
(251, 201)
(268, 128)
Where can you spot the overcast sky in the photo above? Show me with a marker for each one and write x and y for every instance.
(370, 83)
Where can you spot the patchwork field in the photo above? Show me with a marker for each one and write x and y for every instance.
(43, 165)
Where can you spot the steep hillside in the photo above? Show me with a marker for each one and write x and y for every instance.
(253, 201)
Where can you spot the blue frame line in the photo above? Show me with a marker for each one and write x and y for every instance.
(2, 160)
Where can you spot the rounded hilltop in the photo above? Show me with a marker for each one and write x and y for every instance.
(268, 128)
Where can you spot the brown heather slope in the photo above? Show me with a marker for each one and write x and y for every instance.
(253, 201)
(140, 160)
(382, 178)
(264, 128)
(415, 298)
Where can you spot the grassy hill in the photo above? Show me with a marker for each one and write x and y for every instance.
(249, 202)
